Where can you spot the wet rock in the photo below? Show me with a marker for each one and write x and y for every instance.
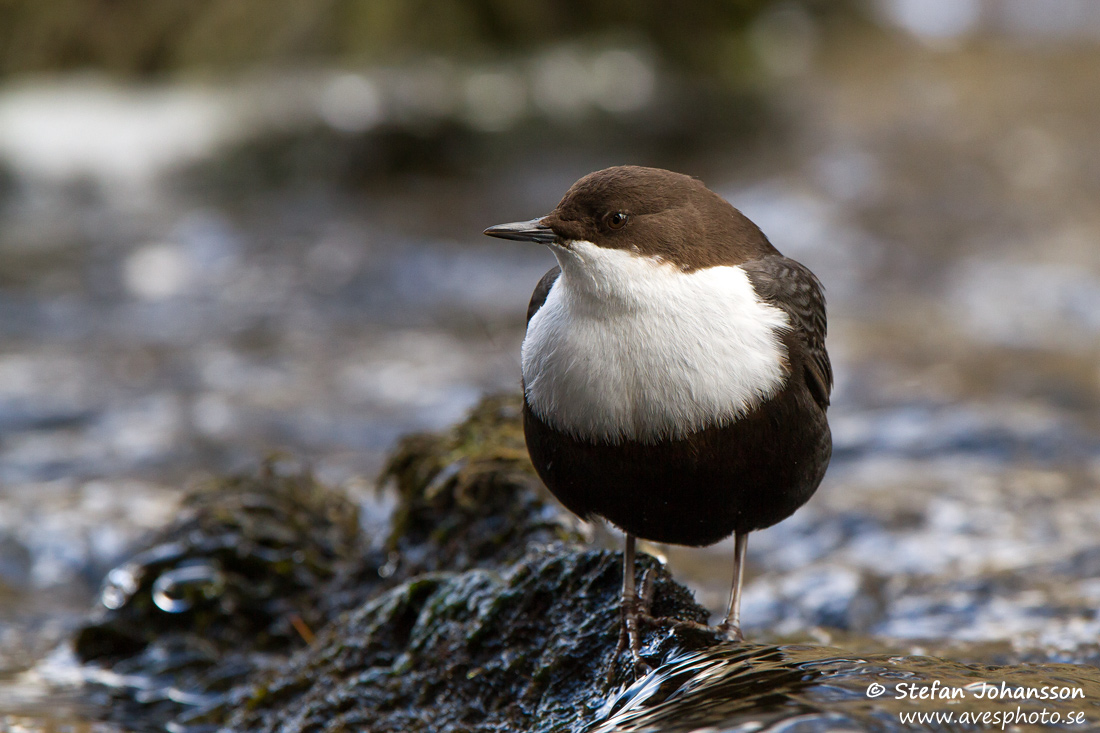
(502, 619)
(470, 498)
(234, 584)
(242, 566)
(522, 649)
(481, 601)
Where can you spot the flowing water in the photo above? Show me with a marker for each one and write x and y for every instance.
(193, 277)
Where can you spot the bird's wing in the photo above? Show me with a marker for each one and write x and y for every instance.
(541, 291)
(788, 285)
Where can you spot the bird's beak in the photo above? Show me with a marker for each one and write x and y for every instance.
(524, 231)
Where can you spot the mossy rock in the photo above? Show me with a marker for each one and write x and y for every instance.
(481, 605)
(470, 497)
(527, 648)
(241, 567)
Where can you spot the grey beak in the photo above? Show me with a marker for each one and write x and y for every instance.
(524, 231)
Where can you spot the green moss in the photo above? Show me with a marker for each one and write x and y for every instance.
(472, 494)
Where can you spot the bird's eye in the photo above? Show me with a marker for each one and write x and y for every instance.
(616, 220)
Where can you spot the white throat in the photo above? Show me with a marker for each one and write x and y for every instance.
(628, 347)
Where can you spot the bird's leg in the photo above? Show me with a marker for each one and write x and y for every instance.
(645, 595)
(628, 631)
(731, 627)
(630, 599)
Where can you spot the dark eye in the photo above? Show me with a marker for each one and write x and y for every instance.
(616, 220)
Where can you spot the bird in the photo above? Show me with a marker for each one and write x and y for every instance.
(674, 370)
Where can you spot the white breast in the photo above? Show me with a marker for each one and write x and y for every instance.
(629, 347)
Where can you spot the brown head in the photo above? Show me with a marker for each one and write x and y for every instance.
(651, 212)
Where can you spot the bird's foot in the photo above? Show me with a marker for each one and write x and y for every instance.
(732, 632)
(688, 630)
(634, 610)
(628, 639)
(683, 625)
(630, 634)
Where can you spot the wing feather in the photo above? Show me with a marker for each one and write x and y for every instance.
(538, 297)
(790, 286)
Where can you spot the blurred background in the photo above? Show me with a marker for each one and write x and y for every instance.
(233, 229)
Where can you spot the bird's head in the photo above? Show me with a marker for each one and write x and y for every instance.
(665, 217)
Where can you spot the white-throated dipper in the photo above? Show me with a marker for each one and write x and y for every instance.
(674, 369)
